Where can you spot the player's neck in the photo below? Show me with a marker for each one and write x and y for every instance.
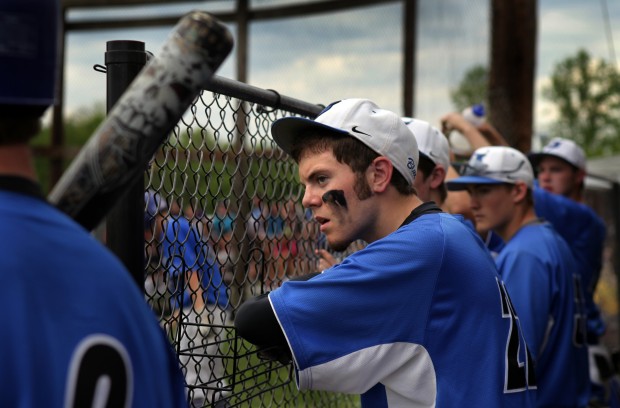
(436, 197)
(523, 216)
(17, 160)
(394, 210)
(575, 195)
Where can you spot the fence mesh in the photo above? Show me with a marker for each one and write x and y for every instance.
(224, 222)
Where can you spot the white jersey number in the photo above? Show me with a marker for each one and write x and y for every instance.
(100, 374)
(519, 375)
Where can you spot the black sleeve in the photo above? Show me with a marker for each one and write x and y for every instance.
(256, 322)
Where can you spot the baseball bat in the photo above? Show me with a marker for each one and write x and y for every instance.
(141, 120)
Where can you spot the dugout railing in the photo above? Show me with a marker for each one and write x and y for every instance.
(221, 170)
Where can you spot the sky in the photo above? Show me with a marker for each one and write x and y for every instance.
(357, 53)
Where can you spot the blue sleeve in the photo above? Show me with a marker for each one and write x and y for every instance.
(580, 227)
(585, 232)
(528, 286)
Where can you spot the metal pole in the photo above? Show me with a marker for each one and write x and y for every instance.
(410, 28)
(616, 245)
(124, 224)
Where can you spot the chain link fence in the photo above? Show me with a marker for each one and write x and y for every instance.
(224, 222)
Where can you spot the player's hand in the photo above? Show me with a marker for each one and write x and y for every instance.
(454, 120)
(276, 353)
(326, 260)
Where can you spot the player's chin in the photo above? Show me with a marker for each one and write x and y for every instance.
(337, 244)
(481, 223)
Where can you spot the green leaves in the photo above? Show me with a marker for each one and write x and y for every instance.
(472, 89)
(586, 92)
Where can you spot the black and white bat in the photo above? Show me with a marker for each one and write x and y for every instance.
(119, 150)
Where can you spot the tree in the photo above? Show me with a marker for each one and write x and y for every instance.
(472, 89)
(586, 92)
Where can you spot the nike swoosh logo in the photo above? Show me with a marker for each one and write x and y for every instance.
(355, 130)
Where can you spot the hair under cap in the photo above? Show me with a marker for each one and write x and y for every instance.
(381, 130)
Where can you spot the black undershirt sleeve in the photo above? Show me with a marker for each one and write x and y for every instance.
(256, 322)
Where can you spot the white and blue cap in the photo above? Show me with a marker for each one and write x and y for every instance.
(381, 130)
(564, 149)
(431, 142)
(494, 165)
(28, 51)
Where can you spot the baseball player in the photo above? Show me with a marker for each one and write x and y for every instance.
(401, 321)
(76, 330)
(561, 171)
(433, 171)
(539, 271)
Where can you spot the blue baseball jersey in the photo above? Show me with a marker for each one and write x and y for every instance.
(185, 251)
(419, 318)
(584, 231)
(74, 319)
(544, 284)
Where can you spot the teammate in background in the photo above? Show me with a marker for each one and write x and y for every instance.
(561, 170)
(438, 325)
(199, 295)
(562, 176)
(79, 332)
(435, 170)
(539, 271)
(434, 161)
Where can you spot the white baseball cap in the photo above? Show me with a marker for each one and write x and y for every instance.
(494, 165)
(381, 130)
(431, 142)
(564, 149)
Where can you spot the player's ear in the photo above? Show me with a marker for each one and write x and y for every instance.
(580, 176)
(437, 176)
(379, 174)
(519, 191)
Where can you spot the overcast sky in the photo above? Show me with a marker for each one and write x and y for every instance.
(357, 53)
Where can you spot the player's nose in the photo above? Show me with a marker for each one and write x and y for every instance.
(311, 198)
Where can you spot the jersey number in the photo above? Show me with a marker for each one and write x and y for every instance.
(100, 374)
(579, 330)
(519, 375)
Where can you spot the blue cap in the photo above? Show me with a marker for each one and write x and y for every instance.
(28, 51)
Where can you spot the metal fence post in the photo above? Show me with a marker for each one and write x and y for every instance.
(124, 224)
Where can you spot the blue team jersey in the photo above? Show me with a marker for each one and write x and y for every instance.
(584, 232)
(419, 318)
(541, 276)
(74, 318)
(185, 251)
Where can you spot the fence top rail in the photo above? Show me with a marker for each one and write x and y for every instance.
(266, 97)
